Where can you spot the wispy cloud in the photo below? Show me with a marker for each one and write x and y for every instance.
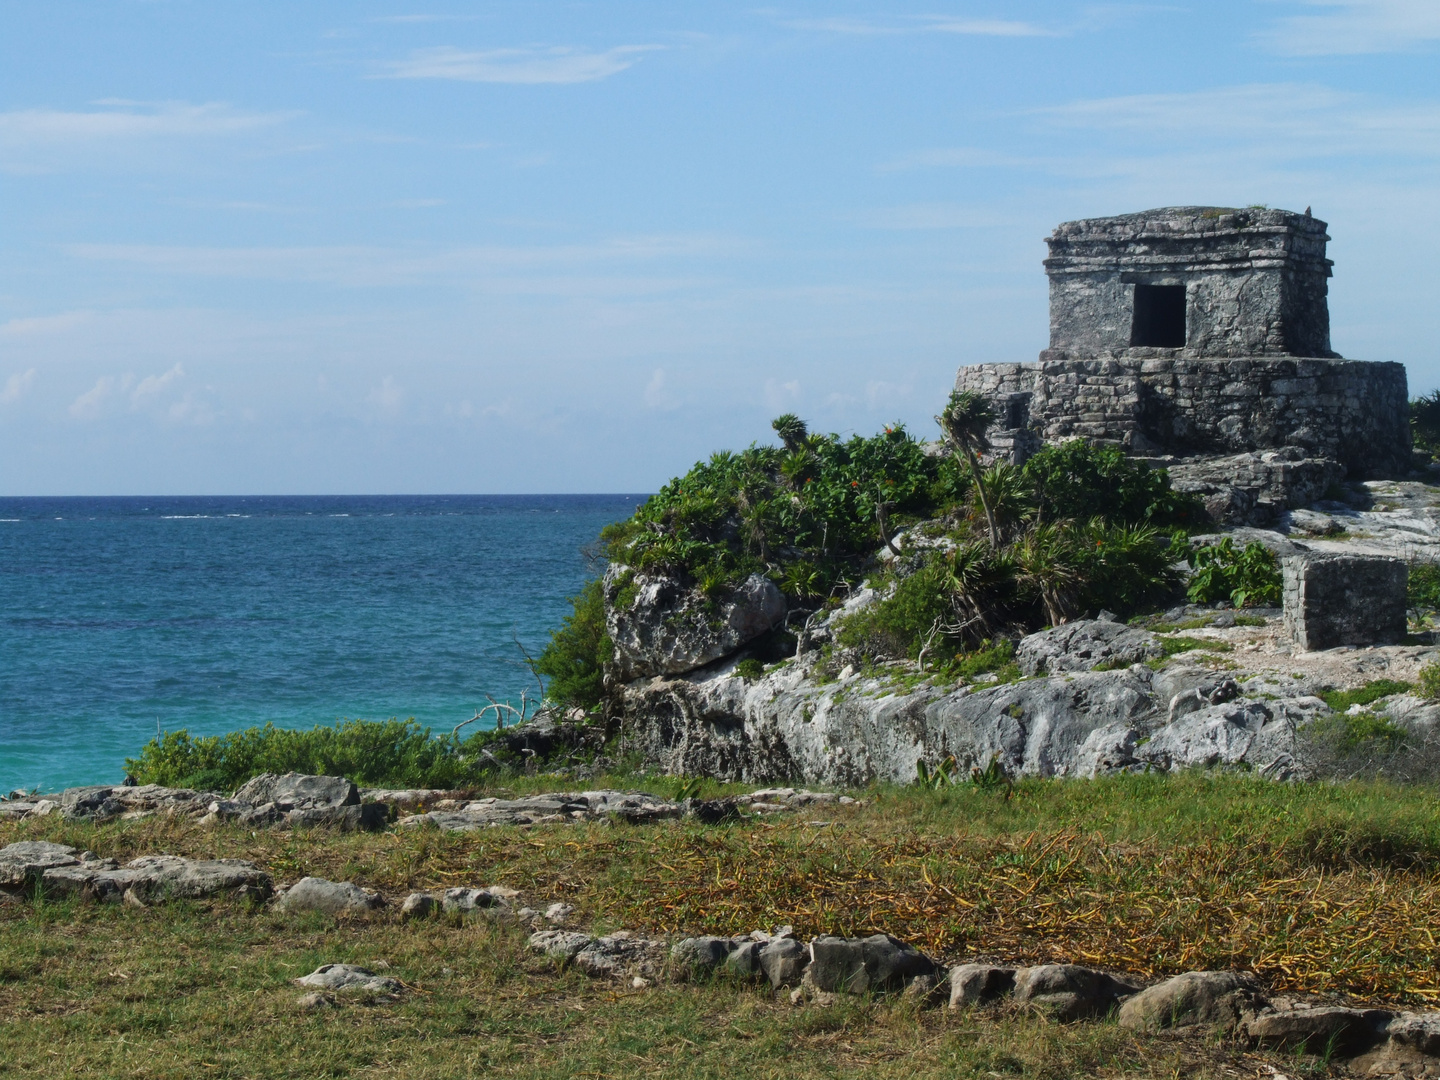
(388, 397)
(536, 66)
(88, 405)
(119, 119)
(358, 266)
(1356, 27)
(922, 24)
(154, 384)
(657, 393)
(16, 386)
(959, 157)
(1285, 119)
(934, 215)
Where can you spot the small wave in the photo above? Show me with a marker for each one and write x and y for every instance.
(9, 519)
(339, 515)
(178, 517)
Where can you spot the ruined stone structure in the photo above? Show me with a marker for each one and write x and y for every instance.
(1333, 600)
(1191, 334)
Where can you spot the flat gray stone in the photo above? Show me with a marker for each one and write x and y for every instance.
(1320, 1029)
(349, 977)
(329, 897)
(783, 960)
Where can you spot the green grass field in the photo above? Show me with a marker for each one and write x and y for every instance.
(1331, 889)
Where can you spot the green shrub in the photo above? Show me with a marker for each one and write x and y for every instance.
(574, 658)
(1078, 481)
(750, 669)
(1245, 577)
(389, 753)
(1373, 691)
(1348, 733)
(1430, 682)
(1422, 590)
(1425, 422)
(902, 623)
(997, 656)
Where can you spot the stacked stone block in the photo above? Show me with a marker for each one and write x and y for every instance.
(1334, 600)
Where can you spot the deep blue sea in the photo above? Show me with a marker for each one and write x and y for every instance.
(123, 616)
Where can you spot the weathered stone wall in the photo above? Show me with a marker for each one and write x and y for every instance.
(1351, 411)
(1333, 600)
(1255, 281)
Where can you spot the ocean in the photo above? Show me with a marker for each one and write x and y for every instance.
(121, 617)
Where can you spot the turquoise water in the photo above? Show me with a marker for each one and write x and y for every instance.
(121, 616)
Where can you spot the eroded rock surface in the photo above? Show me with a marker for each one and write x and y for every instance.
(661, 627)
(1083, 645)
(60, 870)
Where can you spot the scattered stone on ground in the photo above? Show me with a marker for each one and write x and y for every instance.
(612, 956)
(635, 807)
(61, 870)
(350, 977)
(293, 800)
(328, 897)
(979, 984)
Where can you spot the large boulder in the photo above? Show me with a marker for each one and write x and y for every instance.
(859, 965)
(1069, 991)
(301, 801)
(1084, 645)
(659, 626)
(1211, 998)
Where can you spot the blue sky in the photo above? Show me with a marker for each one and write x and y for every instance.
(444, 247)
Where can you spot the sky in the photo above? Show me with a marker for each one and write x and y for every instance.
(388, 247)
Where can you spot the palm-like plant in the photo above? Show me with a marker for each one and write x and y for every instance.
(965, 421)
(1046, 558)
(792, 431)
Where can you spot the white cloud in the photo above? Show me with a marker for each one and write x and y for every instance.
(1354, 27)
(959, 157)
(191, 410)
(42, 325)
(388, 396)
(128, 120)
(780, 395)
(365, 267)
(656, 395)
(88, 405)
(923, 24)
(936, 215)
(154, 384)
(1278, 119)
(16, 386)
(521, 66)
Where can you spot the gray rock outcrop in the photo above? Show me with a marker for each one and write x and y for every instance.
(661, 627)
(59, 870)
(1083, 645)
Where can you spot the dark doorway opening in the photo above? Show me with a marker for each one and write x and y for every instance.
(1159, 316)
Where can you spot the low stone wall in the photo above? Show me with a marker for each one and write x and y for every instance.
(1352, 411)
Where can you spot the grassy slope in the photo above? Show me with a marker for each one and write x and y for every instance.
(1321, 888)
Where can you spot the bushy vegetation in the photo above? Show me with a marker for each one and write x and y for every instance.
(806, 513)
(1425, 422)
(1422, 591)
(389, 753)
(1077, 529)
(574, 658)
(1245, 577)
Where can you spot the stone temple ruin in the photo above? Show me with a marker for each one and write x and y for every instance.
(1198, 338)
